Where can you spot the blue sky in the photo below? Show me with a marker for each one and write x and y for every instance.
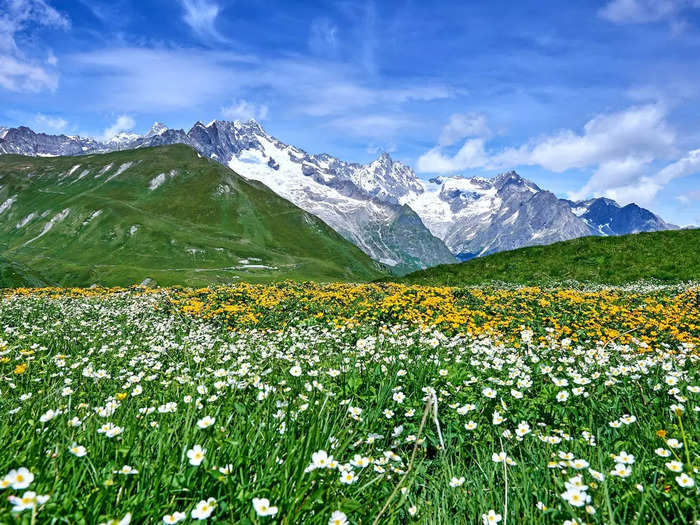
(583, 97)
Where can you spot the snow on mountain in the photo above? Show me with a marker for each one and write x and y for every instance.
(382, 207)
(607, 217)
(156, 129)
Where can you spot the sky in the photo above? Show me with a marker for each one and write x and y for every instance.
(586, 98)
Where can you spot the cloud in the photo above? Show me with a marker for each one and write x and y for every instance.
(471, 155)
(123, 123)
(17, 71)
(644, 11)
(16, 75)
(139, 79)
(52, 123)
(689, 197)
(619, 148)
(640, 132)
(201, 15)
(244, 110)
(323, 37)
(463, 125)
(374, 126)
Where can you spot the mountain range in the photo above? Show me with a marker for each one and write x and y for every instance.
(382, 207)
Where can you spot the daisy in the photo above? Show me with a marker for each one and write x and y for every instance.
(175, 517)
(262, 507)
(491, 517)
(338, 518)
(685, 481)
(205, 422)
(196, 455)
(457, 482)
(203, 509)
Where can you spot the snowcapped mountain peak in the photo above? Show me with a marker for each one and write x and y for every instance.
(513, 179)
(157, 129)
(123, 138)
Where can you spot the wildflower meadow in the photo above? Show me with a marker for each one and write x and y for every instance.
(350, 404)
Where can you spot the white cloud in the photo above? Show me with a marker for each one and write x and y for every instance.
(463, 125)
(471, 155)
(644, 11)
(135, 79)
(244, 110)
(689, 197)
(373, 126)
(18, 72)
(639, 133)
(52, 123)
(123, 123)
(16, 75)
(323, 37)
(201, 15)
(618, 147)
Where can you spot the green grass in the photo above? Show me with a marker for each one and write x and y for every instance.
(669, 257)
(192, 230)
(133, 352)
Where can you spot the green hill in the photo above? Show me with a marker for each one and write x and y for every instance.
(669, 256)
(162, 213)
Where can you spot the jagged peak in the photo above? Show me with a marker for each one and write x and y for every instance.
(158, 128)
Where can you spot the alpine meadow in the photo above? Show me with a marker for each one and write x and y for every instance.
(413, 263)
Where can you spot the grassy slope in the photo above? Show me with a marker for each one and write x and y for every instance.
(670, 256)
(190, 231)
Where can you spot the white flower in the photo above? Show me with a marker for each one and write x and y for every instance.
(579, 464)
(562, 396)
(674, 443)
(205, 422)
(624, 457)
(175, 517)
(262, 507)
(321, 459)
(489, 392)
(575, 497)
(399, 398)
(621, 470)
(674, 466)
(457, 482)
(196, 455)
(295, 370)
(470, 426)
(523, 429)
(78, 450)
(203, 509)
(20, 478)
(127, 470)
(348, 478)
(685, 481)
(338, 518)
(491, 517)
(29, 500)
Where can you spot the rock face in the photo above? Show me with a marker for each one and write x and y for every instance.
(382, 207)
(607, 217)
